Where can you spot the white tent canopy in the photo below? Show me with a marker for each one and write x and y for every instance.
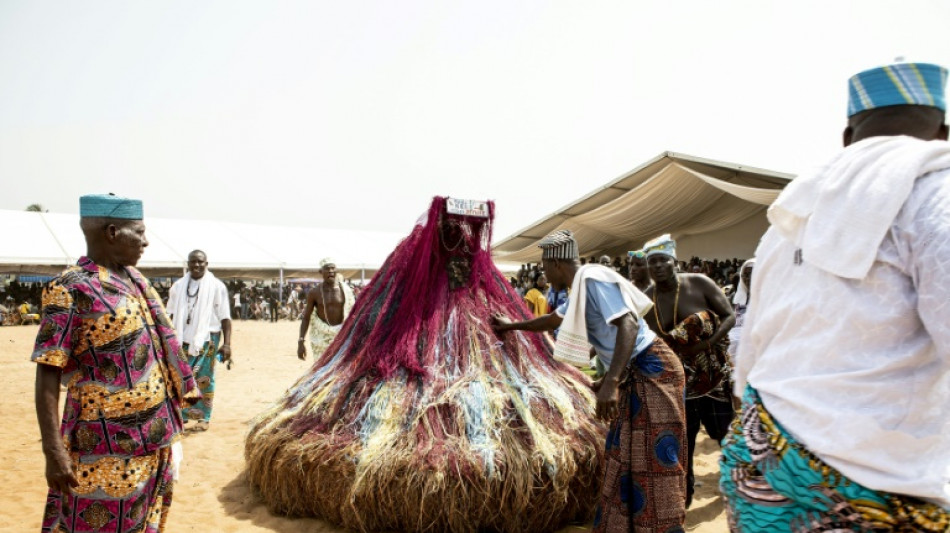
(713, 209)
(45, 243)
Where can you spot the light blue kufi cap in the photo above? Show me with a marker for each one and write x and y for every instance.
(109, 206)
(664, 244)
(898, 84)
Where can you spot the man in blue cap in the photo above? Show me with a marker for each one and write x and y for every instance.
(112, 461)
(844, 364)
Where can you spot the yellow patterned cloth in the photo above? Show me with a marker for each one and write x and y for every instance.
(114, 494)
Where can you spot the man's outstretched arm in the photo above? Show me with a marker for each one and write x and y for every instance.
(548, 322)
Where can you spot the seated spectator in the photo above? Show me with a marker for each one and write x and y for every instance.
(257, 311)
(27, 316)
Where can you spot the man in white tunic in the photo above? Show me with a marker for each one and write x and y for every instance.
(198, 306)
(844, 364)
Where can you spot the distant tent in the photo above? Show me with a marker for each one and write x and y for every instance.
(713, 209)
(45, 243)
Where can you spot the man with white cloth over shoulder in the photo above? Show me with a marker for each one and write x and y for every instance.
(200, 311)
(844, 364)
(641, 396)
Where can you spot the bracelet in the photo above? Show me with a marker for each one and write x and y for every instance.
(301, 339)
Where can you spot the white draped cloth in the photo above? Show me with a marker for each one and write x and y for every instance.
(572, 346)
(741, 301)
(847, 335)
(207, 309)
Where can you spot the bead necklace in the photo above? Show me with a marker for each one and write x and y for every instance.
(191, 306)
(656, 309)
(323, 300)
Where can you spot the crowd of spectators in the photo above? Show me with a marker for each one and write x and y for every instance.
(260, 300)
(272, 301)
(250, 299)
(724, 272)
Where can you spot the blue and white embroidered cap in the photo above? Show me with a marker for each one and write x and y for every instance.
(664, 244)
(898, 84)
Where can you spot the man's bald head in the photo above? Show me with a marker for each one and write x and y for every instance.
(922, 122)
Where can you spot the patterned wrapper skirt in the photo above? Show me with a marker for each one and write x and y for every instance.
(772, 483)
(644, 486)
(115, 494)
(202, 367)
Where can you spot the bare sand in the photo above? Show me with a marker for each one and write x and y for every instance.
(212, 494)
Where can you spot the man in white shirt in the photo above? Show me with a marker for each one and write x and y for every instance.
(844, 364)
(198, 306)
(237, 302)
(293, 302)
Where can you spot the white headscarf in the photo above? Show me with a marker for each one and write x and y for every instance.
(741, 297)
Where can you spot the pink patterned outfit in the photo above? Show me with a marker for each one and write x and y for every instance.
(126, 382)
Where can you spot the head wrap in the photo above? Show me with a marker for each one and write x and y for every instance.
(327, 261)
(559, 245)
(898, 84)
(109, 206)
(636, 253)
(664, 244)
(742, 293)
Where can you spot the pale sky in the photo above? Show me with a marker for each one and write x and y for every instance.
(354, 114)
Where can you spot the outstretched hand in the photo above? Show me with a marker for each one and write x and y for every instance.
(499, 323)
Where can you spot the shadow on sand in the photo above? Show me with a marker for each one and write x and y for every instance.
(240, 502)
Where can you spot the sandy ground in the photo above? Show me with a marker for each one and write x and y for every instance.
(213, 494)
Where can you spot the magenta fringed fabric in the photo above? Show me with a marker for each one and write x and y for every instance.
(419, 418)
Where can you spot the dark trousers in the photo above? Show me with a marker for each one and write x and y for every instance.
(714, 415)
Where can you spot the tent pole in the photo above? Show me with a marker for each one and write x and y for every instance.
(280, 288)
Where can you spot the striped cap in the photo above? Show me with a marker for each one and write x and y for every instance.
(898, 84)
(559, 245)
